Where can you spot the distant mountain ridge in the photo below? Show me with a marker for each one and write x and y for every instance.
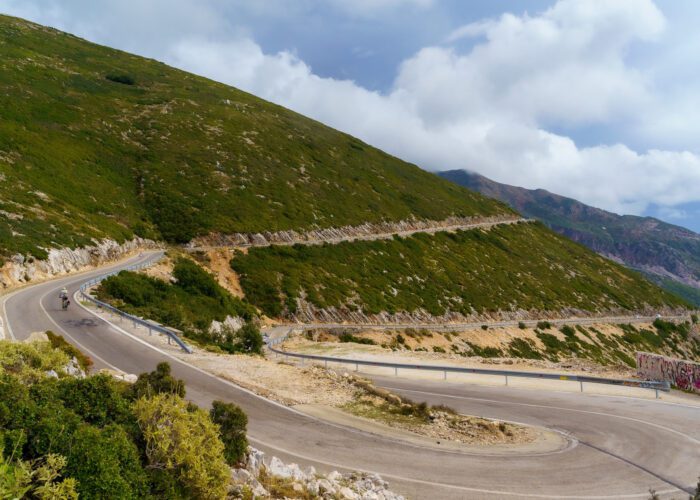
(668, 254)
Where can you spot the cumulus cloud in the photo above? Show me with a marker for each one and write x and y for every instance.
(491, 107)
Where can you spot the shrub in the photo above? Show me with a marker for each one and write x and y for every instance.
(97, 399)
(523, 348)
(437, 348)
(400, 339)
(38, 479)
(184, 445)
(544, 325)
(521, 325)
(120, 78)
(348, 337)
(106, 463)
(484, 327)
(694, 319)
(58, 342)
(232, 422)
(247, 340)
(568, 331)
(158, 382)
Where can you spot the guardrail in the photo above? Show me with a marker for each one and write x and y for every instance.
(654, 385)
(136, 320)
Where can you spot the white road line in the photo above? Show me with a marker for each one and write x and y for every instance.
(8, 327)
(457, 487)
(532, 405)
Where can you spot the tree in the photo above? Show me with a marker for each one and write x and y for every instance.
(232, 422)
(158, 382)
(184, 444)
(250, 339)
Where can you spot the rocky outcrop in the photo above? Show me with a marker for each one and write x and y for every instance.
(349, 486)
(20, 269)
(230, 324)
(368, 231)
(309, 313)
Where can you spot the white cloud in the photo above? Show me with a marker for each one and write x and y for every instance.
(364, 8)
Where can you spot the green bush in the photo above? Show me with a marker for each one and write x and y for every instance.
(349, 337)
(523, 348)
(437, 348)
(183, 445)
(247, 340)
(568, 331)
(106, 463)
(158, 382)
(120, 78)
(232, 422)
(522, 325)
(98, 400)
(544, 325)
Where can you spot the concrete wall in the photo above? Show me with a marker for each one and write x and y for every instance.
(681, 373)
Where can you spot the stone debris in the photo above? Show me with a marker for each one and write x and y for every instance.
(305, 483)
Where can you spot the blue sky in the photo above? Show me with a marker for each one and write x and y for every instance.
(594, 100)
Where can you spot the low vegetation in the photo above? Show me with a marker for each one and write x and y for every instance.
(112, 145)
(95, 437)
(523, 266)
(189, 304)
(439, 421)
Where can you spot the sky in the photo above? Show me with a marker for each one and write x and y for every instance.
(597, 100)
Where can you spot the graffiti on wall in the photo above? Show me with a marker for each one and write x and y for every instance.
(683, 374)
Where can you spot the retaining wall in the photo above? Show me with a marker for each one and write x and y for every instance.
(681, 373)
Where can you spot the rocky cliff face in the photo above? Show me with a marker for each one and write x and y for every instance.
(22, 269)
(368, 231)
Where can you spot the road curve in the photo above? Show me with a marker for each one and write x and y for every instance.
(625, 446)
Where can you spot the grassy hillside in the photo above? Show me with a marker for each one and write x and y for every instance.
(667, 254)
(96, 142)
(521, 266)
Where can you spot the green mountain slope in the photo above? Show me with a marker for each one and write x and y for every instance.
(507, 268)
(667, 254)
(96, 142)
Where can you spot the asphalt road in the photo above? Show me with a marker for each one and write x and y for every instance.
(622, 446)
